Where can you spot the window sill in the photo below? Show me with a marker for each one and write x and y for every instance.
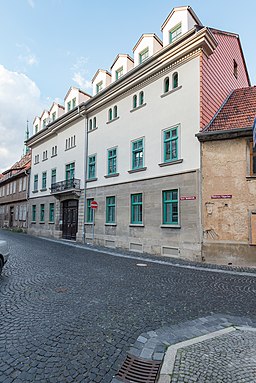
(88, 223)
(92, 130)
(251, 178)
(71, 147)
(111, 175)
(136, 225)
(35, 163)
(54, 155)
(91, 179)
(110, 224)
(138, 107)
(42, 222)
(170, 226)
(113, 119)
(51, 223)
(34, 191)
(34, 222)
(174, 162)
(44, 189)
(45, 159)
(137, 170)
(171, 91)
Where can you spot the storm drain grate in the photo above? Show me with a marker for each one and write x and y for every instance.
(138, 370)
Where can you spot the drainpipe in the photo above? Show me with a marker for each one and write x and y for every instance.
(27, 195)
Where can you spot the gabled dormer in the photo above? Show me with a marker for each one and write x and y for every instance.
(122, 64)
(45, 119)
(100, 81)
(74, 97)
(147, 45)
(36, 125)
(56, 111)
(178, 22)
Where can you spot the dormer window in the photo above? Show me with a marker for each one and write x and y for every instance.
(73, 103)
(175, 32)
(99, 87)
(175, 80)
(53, 116)
(69, 106)
(143, 55)
(119, 73)
(36, 128)
(44, 123)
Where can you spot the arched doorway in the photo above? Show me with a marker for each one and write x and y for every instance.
(70, 219)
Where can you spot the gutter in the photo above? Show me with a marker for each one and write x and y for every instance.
(224, 134)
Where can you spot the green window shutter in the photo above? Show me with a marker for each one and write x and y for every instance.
(170, 207)
(110, 209)
(171, 144)
(136, 208)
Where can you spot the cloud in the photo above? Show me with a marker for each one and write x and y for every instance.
(27, 57)
(19, 101)
(80, 73)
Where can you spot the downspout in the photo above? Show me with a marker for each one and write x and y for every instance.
(27, 196)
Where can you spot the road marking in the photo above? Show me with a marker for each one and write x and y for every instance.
(141, 264)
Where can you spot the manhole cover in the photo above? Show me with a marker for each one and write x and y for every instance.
(137, 370)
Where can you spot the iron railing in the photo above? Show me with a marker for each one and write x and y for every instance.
(66, 185)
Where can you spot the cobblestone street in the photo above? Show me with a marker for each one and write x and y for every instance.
(70, 314)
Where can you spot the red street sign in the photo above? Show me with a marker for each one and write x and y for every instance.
(94, 204)
(189, 198)
(221, 196)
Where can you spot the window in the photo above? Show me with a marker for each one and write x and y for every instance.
(166, 85)
(175, 32)
(137, 154)
(252, 159)
(90, 124)
(170, 207)
(111, 209)
(51, 212)
(34, 213)
(44, 180)
(134, 101)
(119, 73)
(44, 123)
(73, 103)
(112, 161)
(70, 142)
(69, 106)
(143, 55)
(36, 158)
(115, 111)
(110, 115)
(54, 151)
(36, 182)
(175, 80)
(91, 167)
(53, 116)
(36, 128)
(141, 98)
(94, 123)
(171, 144)
(99, 86)
(70, 171)
(24, 184)
(53, 177)
(45, 156)
(235, 68)
(20, 185)
(42, 212)
(89, 211)
(136, 208)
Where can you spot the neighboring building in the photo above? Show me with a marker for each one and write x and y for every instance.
(139, 155)
(229, 181)
(14, 184)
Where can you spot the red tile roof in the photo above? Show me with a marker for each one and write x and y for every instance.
(20, 166)
(237, 112)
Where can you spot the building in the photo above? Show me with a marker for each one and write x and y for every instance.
(132, 146)
(229, 181)
(14, 191)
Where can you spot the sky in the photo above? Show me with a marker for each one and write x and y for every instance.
(49, 45)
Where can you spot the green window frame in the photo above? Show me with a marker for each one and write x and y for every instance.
(175, 80)
(110, 115)
(143, 55)
(136, 208)
(89, 210)
(53, 116)
(138, 154)
(91, 167)
(119, 73)
(94, 123)
(141, 98)
(53, 176)
(44, 178)
(51, 212)
(36, 182)
(134, 101)
(99, 86)
(166, 85)
(36, 128)
(175, 32)
(90, 124)
(70, 171)
(171, 144)
(73, 103)
(33, 213)
(42, 212)
(111, 209)
(112, 161)
(69, 106)
(115, 112)
(171, 207)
